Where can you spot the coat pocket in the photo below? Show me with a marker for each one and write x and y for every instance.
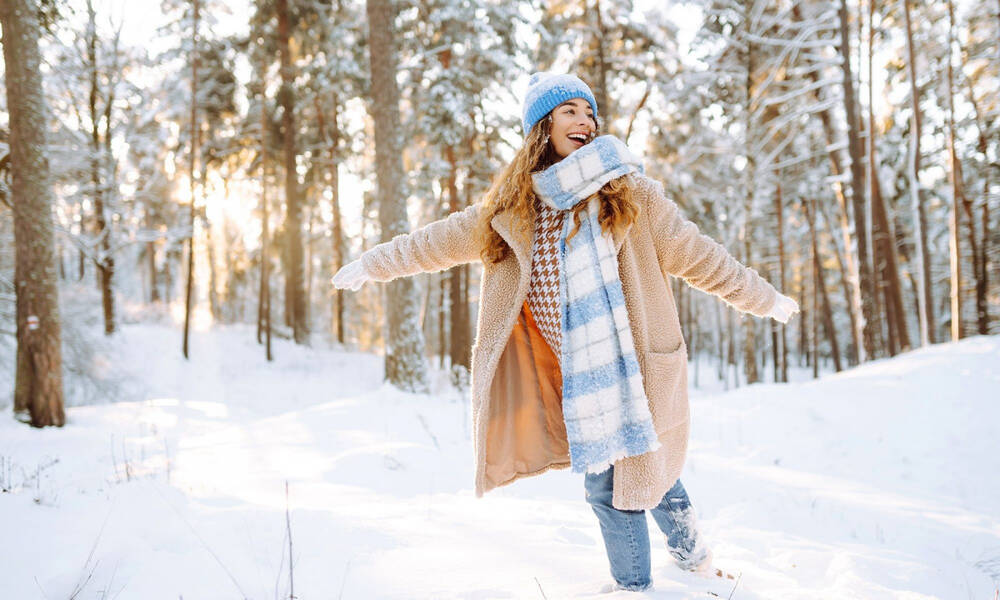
(665, 382)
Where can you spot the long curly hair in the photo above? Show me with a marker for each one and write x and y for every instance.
(512, 191)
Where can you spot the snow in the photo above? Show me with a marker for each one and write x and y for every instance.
(879, 482)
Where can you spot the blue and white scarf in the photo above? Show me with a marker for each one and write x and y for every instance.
(604, 405)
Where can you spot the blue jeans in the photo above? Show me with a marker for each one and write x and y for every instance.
(626, 535)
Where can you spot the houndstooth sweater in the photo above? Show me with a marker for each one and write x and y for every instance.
(543, 295)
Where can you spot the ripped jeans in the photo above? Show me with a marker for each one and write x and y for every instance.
(626, 535)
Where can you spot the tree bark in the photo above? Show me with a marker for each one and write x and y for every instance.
(104, 261)
(883, 233)
(293, 200)
(846, 261)
(154, 289)
(954, 248)
(982, 277)
(869, 317)
(749, 330)
(404, 356)
(925, 300)
(264, 295)
(38, 387)
(602, 66)
(332, 138)
(214, 305)
(195, 143)
(831, 331)
(780, 209)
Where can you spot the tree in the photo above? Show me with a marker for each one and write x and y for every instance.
(195, 143)
(293, 201)
(922, 259)
(38, 386)
(474, 41)
(850, 98)
(404, 360)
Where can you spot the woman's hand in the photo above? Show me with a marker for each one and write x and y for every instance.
(351, 276)
(783, 309)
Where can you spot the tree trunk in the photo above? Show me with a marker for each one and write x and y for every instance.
(869, 317)
(195, 143)
(404, 356)
(337, 316)
(293, 202)
(442, 321)
(460, 338)
(168, 281)
(38, 387)
(888, 271)
(982, 277)
(265, 259)
(213, 278)
(749, 331)
(925, 300)
(780, 210)
(309, 265)
(104, 261)
(883, 233)
(814, 312)
(954, 248)
(602, 66)
(264, 295)
(831, 331)
(154, 289)
(846, 261)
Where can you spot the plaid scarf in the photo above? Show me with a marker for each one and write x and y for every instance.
(605, 408)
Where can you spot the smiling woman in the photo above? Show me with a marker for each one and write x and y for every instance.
(579, 360)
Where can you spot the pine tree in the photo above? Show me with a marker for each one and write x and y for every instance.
(404, 354)
(38, 385)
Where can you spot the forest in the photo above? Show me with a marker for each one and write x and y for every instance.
(201, 162)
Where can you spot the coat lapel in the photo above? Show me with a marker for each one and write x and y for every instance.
(503, 224)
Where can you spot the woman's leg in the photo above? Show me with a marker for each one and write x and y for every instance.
(626, 536)
(675, 517)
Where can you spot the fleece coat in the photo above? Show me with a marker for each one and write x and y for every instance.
(518, 430)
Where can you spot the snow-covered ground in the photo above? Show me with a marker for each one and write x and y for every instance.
(881, 482)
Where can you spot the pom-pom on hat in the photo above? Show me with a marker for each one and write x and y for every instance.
(547, 90)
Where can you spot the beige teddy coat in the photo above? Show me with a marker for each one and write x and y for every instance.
(518, 430)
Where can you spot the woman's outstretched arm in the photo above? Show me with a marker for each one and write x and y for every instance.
(706, 264)
(434, 247)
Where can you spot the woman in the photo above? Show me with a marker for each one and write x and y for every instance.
(579, 360)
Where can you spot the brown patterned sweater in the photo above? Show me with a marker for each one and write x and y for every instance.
(543, 294)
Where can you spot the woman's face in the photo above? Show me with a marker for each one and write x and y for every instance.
(572, 125)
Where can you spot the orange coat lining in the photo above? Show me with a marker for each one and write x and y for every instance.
(526, 433)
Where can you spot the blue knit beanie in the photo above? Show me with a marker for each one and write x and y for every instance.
(547, 90)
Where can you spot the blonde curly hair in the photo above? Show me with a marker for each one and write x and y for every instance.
(512, 191)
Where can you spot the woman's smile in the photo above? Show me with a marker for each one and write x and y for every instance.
(573, 126)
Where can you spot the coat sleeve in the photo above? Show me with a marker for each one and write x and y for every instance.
(434, 247)
(701, 261)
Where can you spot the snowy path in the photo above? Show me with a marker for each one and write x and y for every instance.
(876, 483)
